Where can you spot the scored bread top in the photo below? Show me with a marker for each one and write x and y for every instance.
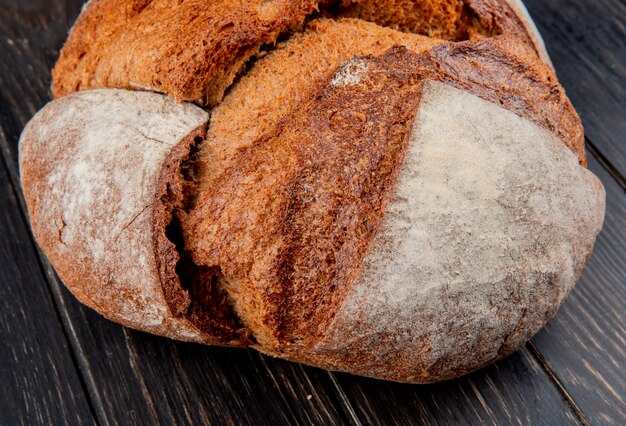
(270, 227)
(193, 50)
(89, 164)
(190, 49)
(287, 214)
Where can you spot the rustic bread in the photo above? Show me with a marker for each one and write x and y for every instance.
(294, 264)
(392, 189)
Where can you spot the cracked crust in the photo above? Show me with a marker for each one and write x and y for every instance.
(191, 50)
(89, 165)
(192, 291)
(285, 78)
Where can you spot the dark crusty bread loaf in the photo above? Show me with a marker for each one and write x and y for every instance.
(320, 188)
(395, 189)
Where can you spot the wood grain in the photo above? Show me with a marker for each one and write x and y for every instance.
(586, 40)
(39, 382)
(585, 344)
(513, 391)
(137, 378)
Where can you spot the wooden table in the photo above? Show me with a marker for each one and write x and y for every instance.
(63, 363)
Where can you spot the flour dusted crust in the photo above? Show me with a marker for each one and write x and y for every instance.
(390, 188)
(89, 166)
(481, 242)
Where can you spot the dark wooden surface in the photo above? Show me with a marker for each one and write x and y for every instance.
(61, 363)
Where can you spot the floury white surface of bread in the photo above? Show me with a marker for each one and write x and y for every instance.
(490, 226)
(89, 165)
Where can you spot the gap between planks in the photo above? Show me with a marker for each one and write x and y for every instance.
(606, 164)
(534, 350)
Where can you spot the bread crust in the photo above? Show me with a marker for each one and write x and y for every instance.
(285, 78)
(191, 50)
(190, 291)
(89, 165)
(522, 14)
(289, 217)
(465, 270)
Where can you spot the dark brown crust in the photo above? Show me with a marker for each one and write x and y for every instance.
(190, 50)
(190, 290)
(444, 19)
(318, 186)
(167, 256)
(452, 19)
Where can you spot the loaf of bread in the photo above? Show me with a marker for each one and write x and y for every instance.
(394, 189)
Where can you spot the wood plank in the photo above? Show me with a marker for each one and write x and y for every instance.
(585, 344)
(144, 379)
(31, 34)
(515, 390)
(39, 380)
(587, 42)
